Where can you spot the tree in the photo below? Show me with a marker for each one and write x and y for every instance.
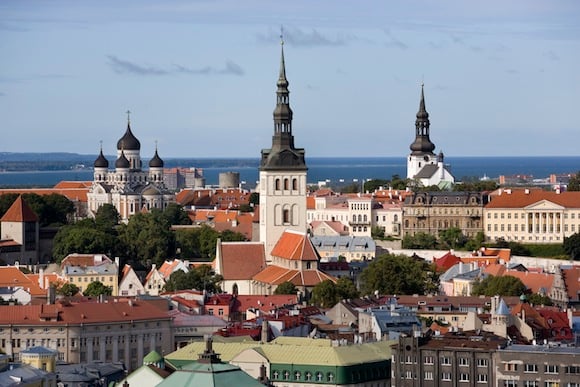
(67, 289)
(574, 183)
(201, 278)
(420, 240)
(81, 239)
(58, 209)
(97, 288)
(571, 246)
(540, 299)
(207, 241)
(499, 285)
(107, 217)
(377, 232)
(325, 294)
(374, 184)
(286, 288)
(148, 237)
(175, 214)
(452, 238)
(255, 198)
(398, 274)
(345, 289)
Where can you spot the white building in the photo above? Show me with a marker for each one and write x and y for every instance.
(423, 165)
(128, 187)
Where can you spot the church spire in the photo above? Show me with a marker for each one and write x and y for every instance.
(422, 143)
(283, 154)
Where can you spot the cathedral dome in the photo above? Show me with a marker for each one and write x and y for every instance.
(101, 161)
(128, 141)
(156, 161)
(122, 162)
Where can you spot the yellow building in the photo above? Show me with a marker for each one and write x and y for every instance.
(532, 216)
(82, 269)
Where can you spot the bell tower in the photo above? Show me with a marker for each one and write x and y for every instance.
(282, 173)
(422, 148)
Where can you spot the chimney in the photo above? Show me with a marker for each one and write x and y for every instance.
(41, 278)
(264, 332)
(51, 295)
(117, 262)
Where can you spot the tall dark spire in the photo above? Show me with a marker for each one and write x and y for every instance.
(422, 143)
(283, 154)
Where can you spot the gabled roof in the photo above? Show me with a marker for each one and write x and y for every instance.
(169, 267)
(446, 262)
(572, 281)
(19, 211)
(536, 282)
(524, 198)
(276, 275)
(85, 260)
(241, 260)
(295, 246)
(11, 276)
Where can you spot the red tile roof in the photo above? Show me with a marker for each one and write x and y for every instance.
(446, 262)
(495, 269)
(73, 194)
(295, 246)
(536, 282)
(572, 281)
(241, 260)
(19, 211)
(265, 302)
(11, 276)
(85, 260)
(82, 313)
(276, 275)
(520, 199)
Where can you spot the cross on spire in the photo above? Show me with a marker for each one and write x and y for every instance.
(128, 115)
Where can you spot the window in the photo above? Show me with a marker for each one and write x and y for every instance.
(428, 375)
(308, 376)
(481, 378)
(510, 383)
(428, 360)
(330, 377)
(294, 184)
(464, 377)
(531, 383)
(286, 216)
(445, 375)
(275, 374)
(510, 367)
(445, 360)
(463, 361)
(551, 369)
(286, 375)
(530, 368)
(319, 376)
(297, 375)
(277, 184)
(552, 384)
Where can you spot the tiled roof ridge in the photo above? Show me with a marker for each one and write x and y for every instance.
(20, 211)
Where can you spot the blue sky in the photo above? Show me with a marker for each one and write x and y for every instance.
(501, 77)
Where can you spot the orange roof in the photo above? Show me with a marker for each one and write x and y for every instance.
(50, 278)
(520, 199)
(572, 281)
(73, 194)
(536, 282)
(276, 275)
(85, 260)
(310, 202)
(168, 268)
(259, 301)
(73, 184)
(241, 260)
(19, 211)
(295, 246)
(495, 269)
(82, 313)
(11, 276)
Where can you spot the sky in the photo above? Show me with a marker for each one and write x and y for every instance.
(199, 77)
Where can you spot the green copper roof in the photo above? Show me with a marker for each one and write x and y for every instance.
(292, 350)
(209, 374)
(152, 357)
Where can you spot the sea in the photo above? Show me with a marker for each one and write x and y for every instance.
(331, 170)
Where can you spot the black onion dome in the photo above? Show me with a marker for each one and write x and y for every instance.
(156, 161)
(101, 161)
(122, 162)
(128, 141)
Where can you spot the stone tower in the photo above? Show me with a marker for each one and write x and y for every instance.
(282, 174)
(422, 148)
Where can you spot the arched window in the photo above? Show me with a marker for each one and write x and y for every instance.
(365, 218)
(295, 184)
(286, 215)
(396, 218)
(235, 289)
(277, 184)
(286, 184)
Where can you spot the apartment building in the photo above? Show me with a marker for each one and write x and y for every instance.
(111, 331)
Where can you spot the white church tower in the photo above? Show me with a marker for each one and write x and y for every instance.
(422, 163)
(282, 174)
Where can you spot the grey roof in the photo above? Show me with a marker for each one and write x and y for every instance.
(399, 319)
(29, 375)
(502, 309)
(39, 350)
(427, 171)
(108, 268)
(343, 243)
(542, 349)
